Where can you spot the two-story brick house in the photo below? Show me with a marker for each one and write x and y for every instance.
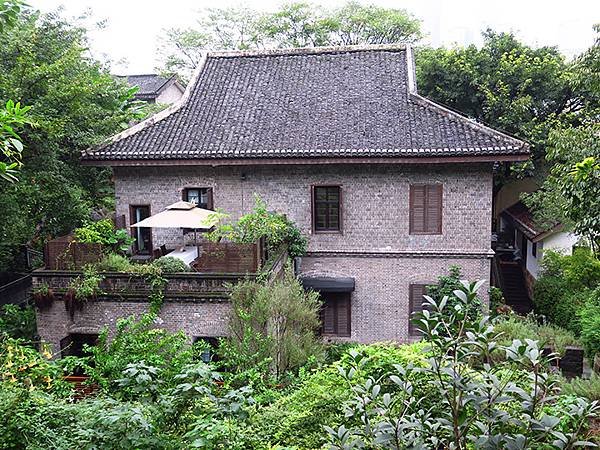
(390, 187)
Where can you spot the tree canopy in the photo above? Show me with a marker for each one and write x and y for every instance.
(299, 24)
(75, 102)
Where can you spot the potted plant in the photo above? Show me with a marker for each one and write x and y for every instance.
(43, 296)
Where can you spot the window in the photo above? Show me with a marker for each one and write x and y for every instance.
(415, 305)
(327, 208)
(335, 314)
(208, 354)
(74, 343)
(202, 197)
(425, 209)
(142, 236)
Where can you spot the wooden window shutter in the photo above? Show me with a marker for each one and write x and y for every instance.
(343, 315)
(416, 293)
(425, 209)
(328, 318)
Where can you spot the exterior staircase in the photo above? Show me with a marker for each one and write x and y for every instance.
(514, 288)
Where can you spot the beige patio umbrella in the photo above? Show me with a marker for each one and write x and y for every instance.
(181, 215)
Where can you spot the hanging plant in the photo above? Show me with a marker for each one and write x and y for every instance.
(82, 289)
(43, 296)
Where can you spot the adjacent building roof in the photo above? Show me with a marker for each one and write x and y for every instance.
(522, 218)
(150, 85)
(306, 104)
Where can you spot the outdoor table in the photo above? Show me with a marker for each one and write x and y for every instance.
(187, 254)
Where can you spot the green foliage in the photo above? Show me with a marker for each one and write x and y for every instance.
(103, 232)
(590, 324)
(565, 285)
(506, 84)
(581, 387)
(76, 103)
(497, 301)
(276, 228)
(446, 286)
(115, 263)
(168, 264)
(18, 322)
(297, 419)
(13, 116)
(502, 405)
(274, 321)
(135, 341)
(509, 328)
(296, 24)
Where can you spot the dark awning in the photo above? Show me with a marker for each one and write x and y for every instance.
(329, 284)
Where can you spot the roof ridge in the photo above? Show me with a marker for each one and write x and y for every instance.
(307, 50)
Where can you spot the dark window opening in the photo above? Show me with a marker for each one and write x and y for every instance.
(425, 209)
(327, 208)
(335, 314)
(201, 197)
(416, 293)
(142, 236)
(209, 353)
(74, 344)
(534, 249)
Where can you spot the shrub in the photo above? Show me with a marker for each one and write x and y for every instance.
(276, 228)
(582, 387)
(446, 286)
(590, 324)
(168, 264)
(297, 419)
(477, 406)
(275, 321)
(135, 341)
(18, 322)
(103, 232)
(509, 328)
(115, 263)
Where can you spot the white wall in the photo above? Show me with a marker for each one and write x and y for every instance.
(562, 242)
(170, 95)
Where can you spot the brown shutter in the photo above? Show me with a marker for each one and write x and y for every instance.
(209, 201)
(417, 209)
(434, 209)
(416, 293)
(328, 317)
(343, 315)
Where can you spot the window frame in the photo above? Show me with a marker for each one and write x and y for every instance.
(209, 191)
(411, 203)
(313, 203)
(133, 230)
(336, 332)
(412, 330)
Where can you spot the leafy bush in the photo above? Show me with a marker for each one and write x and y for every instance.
(590, 324)
(274, 321)
(509, 328)
(445, 287)
(18, 322)
(103, 232)
(565, 285)
(278, 230)
(477, 406)
(582, 387)
(168, 264)
(135, 341)
(115, 263)
(297, 419)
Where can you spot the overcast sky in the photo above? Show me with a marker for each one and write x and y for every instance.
(130, 37)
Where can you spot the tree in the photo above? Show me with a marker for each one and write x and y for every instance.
(76, 103)
(11, 147)
(570, 194)
(299, 24)
(273, 322)
(506, 84)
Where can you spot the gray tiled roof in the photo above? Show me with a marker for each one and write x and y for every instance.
(149, 85)
(306, 103)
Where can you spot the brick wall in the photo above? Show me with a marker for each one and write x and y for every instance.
(375, 247)
(375, 200)
(379, 304)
